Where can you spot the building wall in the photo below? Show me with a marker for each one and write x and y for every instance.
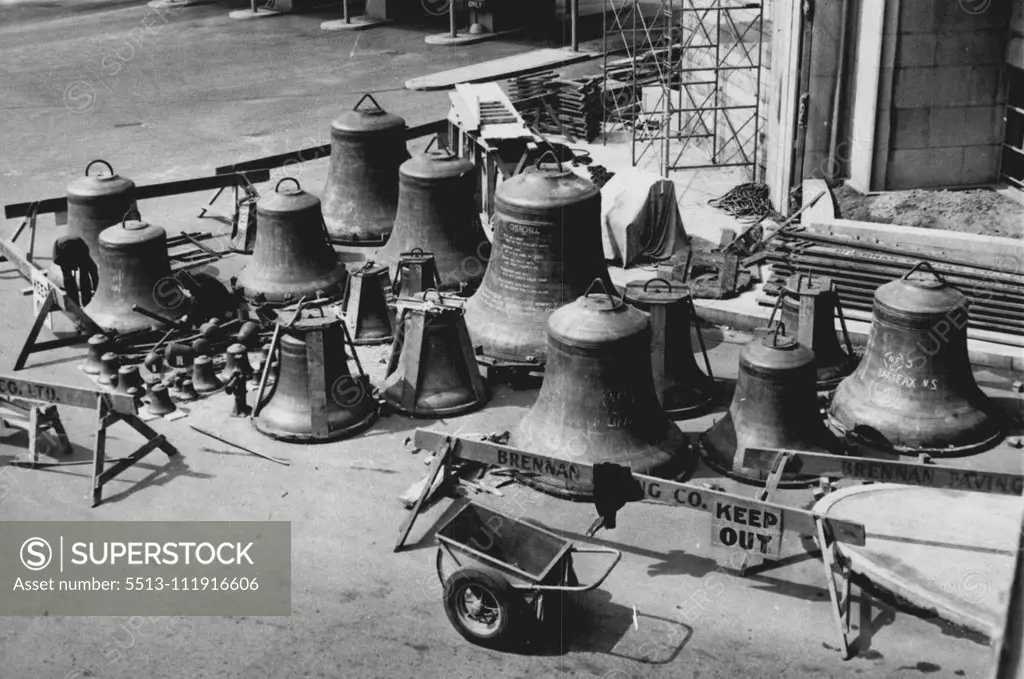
(948, 93)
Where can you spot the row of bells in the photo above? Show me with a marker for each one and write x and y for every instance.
(546, 250)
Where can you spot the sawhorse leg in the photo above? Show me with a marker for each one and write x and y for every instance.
(443, 465)
(836, 564)
(106, 417)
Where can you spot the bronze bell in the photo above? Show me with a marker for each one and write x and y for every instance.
(432, 371)
(416, 273)
(204, 377)
(437, 212)
(160, 402)
(292, 257)
(810, 306)
(683, 390)
(128, 378)
(547, 250)
(133, 270)
(315, 397)
(361, 194)
(597, 402)
(187, 392)
(366, 308)
(237, 359)
(775, 405)
(914, 390)
(98, 345)
(96, 202)
(109, 364)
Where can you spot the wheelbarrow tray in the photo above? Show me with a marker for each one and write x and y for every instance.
(518, 549)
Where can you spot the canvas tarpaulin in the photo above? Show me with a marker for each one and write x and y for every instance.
(640, 220)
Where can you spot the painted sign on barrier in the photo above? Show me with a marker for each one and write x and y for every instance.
(747, 526)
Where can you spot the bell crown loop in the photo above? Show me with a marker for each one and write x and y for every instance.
(297, 189)
(778, 339)
(378, 109)
(110, 170)
(615, 302)
(562, 170)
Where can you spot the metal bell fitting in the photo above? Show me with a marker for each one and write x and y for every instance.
(160, 402)
(204, 377)
(237, 358)
(98, 345)
(188, 391)
(128, 378)
(109, 363)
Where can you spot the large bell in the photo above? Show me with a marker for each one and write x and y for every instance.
(597, 401)
(547, 249)
(96, 202)
(133, 270)
(775, 405)
(361, 195)
(914, 390)
(432, 371)
(292, 257)
(810, 306)
(437, 213)
(315, 397)
(683, 390)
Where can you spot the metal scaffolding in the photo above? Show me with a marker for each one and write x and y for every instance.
(689, 68)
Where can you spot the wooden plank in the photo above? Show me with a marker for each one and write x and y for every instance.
(865, 105)
(149, 191)
(60, 394)
(655, 489)
(906, 473)
(441, 462)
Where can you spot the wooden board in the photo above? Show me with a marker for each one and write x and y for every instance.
(906, 473)
(60, 394)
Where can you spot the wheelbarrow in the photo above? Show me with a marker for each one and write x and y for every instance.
(505, 575)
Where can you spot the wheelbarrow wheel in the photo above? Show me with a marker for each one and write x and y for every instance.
(482, 607)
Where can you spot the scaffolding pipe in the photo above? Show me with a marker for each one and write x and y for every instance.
(451, 19)
(574, 17)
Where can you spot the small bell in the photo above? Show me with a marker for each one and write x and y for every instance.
(160, 402)
(237, 359)
(204, 377)
(98, 345)
(128, 377)
(110, 362)
(188, 391)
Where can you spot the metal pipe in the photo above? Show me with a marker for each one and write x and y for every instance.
(344, 9)
(451, 18)
(833, 139)
(574, 17)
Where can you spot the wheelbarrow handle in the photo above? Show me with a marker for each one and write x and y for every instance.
(595, 585)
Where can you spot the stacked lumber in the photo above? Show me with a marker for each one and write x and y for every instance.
(858, 269)
(574, 105)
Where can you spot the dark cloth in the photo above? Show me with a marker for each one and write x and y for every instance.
(80, 274)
